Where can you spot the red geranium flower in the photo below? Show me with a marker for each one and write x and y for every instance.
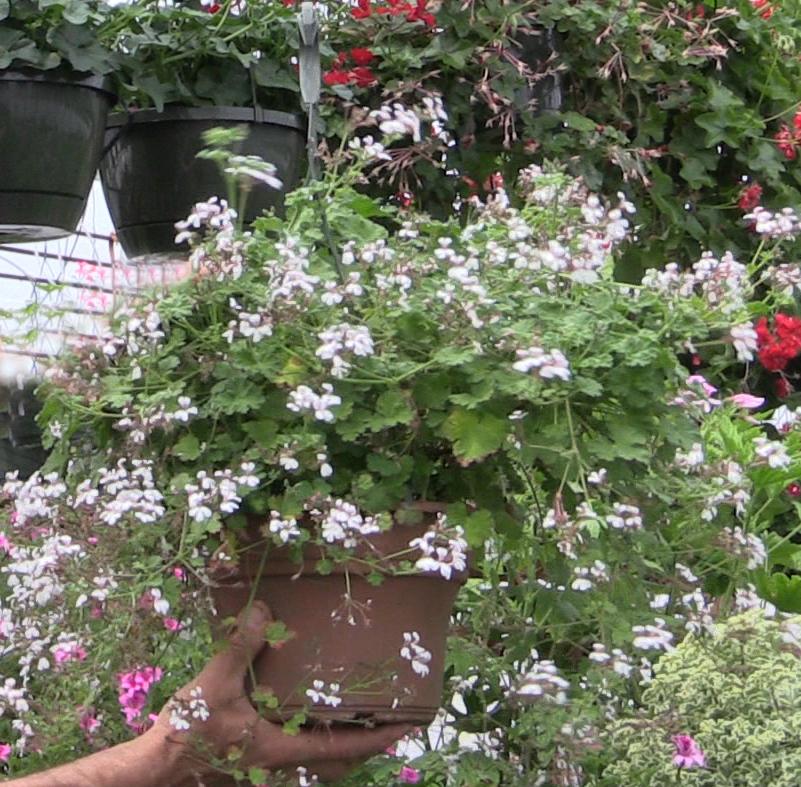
(363, 77)
(760, 4)
(362, 57)
(420, 13)
(787, 142)
(776, 351)
(362, 10)
(394, 7)
(794, 489)
(749, 197)
(336, 77)
(783, 387)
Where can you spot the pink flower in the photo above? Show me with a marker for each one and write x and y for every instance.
(134, 686)
(5, 751)
(746, 400)
(171, 624)
(699, 379)
(5, 544)
(794, 489)
(178, 572)
(69, 652)
(409, 775)
(688, 754)
(89, 723)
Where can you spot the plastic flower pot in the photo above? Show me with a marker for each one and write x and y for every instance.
(152, 178)
(355, 645)
(51, 140)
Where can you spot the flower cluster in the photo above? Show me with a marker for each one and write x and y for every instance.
(364, 10)
(134, 688)
(779, 347)
(184, 710)
(413, 652)
(355, 72)
(320, 693)
(444, 549)
(788, 140)
(542, 682)
(342, 523)
(218, 493)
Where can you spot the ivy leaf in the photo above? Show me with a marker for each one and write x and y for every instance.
(235, 396)
(475, 435)
(781, 590)
(578, 122)
(187, 448)
(392, 407)
(257, 776)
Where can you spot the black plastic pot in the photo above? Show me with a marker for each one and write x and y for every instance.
(152, 178)
(51, 139)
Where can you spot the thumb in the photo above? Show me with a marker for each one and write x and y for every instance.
(244, 643)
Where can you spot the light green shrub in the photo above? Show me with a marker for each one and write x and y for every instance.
(737, 692)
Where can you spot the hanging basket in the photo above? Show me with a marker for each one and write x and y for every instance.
(152, 178)
(346, 631)
(51, 140)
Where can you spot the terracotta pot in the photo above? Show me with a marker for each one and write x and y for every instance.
(355, 645)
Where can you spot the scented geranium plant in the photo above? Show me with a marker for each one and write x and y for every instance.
(329, 368)
(42, 35)
(429, 362)
(233, 53)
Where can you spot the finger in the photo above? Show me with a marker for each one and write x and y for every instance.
(229, 667)
(323, 745)
(334, 770)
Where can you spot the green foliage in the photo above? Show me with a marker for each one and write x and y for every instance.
(45, 35)
(680, 106)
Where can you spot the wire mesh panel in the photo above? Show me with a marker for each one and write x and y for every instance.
(49, 293)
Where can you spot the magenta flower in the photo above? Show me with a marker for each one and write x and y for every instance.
(409, 775)
(688, 754)
(5, 751)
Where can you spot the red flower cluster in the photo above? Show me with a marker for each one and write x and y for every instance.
(364, 9)
(789, 140)
(777, 349)
(764, 6)
(358, 75)
(749, 197)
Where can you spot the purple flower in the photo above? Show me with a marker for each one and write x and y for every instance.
(688, 754)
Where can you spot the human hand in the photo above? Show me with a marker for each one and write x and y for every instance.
(233, 725)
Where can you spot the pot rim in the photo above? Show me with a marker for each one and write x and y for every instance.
(85, 79)
(236, 114)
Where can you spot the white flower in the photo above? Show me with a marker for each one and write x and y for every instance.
(303, 399)
(415, 653)
(286, 529)
(247, 477)
(327, 696)
(546, 365)
(625, 517)
(444, 549)
(178, 719)
(745, 341)
(652, 637)
(186, 409)
(773, 452)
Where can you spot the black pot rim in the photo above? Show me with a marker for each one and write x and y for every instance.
(236, 114)
(78, 78)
